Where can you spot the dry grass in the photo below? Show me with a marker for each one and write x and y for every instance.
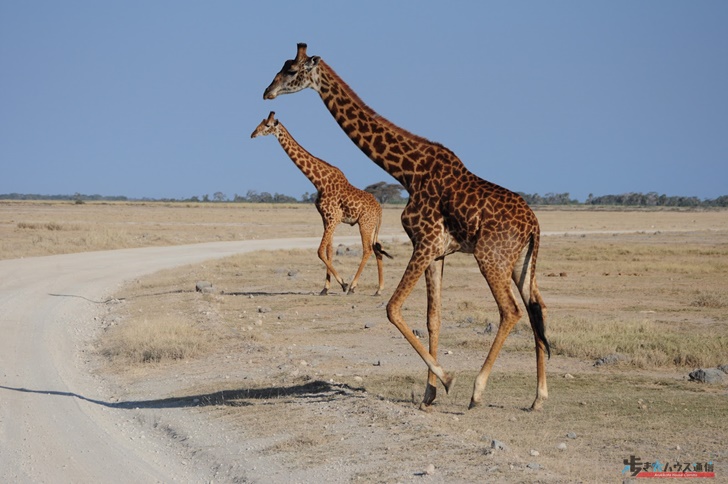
(302, 377)
(143, 341)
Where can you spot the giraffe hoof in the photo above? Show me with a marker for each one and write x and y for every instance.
(345, 287)
(474, 404)
(448, 382)
(537, 406)
(324, 291)
(351, 290)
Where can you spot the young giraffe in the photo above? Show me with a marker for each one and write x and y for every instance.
(449, 210)
(338, 201)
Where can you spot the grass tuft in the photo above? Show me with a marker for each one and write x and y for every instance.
(144, 341)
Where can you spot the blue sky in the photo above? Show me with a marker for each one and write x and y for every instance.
(158, 98)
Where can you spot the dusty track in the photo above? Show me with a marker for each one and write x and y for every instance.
(55, 422)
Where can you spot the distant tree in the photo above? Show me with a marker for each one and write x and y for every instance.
(309, 197)
(386, 192)
(219, 197)
(205, 198)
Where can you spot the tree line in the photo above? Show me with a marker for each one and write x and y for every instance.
(392, 193)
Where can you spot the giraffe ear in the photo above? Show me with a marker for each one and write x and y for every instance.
(312, 62)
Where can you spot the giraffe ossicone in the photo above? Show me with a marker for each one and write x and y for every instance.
(450, 209)
(338, 202)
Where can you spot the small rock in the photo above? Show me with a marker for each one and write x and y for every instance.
(430, 469)
(369, 325)
(204, 287)
(498, 445)
(512, 419)
(534, 453)
(582, 403)
(489, 328)
(571, 435)
(533, 465)
(263, 310)
(358, 379)
(723, 368)
(292, 272)
(709, 375)
(562, 274)
(418, 333)
(569, 376)
(609, 359)
(561, 446)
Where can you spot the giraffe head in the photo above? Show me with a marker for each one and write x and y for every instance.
(268, 126)
(296, 75)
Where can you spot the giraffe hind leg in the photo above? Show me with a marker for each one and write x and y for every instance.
(525, 279)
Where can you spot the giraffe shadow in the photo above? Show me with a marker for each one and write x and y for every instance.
(269, 293)
(311, 392)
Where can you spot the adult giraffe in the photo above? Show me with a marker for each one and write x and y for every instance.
(449, 210)
(338, 202)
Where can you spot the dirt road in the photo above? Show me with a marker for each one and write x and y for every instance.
(55, 422)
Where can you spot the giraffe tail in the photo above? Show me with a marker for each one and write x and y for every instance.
(378, 251)
(535, 305)
(535, 314)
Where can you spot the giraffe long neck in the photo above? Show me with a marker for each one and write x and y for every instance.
(315, 169)
(397, 151)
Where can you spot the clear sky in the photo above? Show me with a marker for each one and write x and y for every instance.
(158, 98)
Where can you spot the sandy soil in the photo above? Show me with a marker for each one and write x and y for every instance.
(309, 389)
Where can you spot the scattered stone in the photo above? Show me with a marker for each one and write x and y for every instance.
(534, 453)
(358, 379)
(293, 273)
(489, 328)
(562, 274)
(571, 435)
(533, 465)
(263, 309)
(418, 333)
(497, 445)
(569, 376)
(369, 325)
(204, 287)
(709, 375)
(582, 403)
(561, 446)
(723, 368)
(430, 469)
(512, 419)
(610, 359)
(347, 251)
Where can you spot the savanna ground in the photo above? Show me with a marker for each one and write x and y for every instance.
(325, 389)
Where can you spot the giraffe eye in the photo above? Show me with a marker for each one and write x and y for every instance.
(291, 72)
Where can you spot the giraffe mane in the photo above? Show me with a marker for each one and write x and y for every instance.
(366, 108)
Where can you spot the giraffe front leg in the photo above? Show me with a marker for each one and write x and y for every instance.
(417, 264)
(326, 254)
(433, 279)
